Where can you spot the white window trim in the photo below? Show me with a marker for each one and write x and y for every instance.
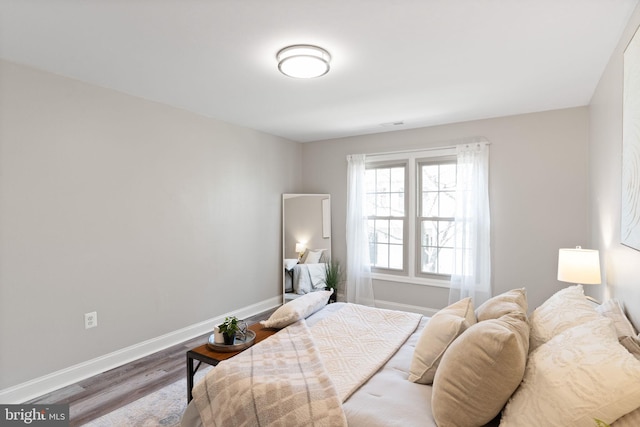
(411, 157)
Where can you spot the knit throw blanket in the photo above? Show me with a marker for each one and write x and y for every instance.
(356, 341)
(300, 376)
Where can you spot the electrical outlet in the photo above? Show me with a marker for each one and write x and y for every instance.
(91, 320)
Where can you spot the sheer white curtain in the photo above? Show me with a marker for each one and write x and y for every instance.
(359, 287)
(472, 254)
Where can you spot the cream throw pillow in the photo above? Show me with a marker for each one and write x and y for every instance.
(444, 327)
(577, 376)
(299, 308)
(480, 371)
(563, 310)
(511, 301)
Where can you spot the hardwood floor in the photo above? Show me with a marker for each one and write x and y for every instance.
(108, 391)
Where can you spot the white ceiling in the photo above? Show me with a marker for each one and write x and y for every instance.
(422, 62)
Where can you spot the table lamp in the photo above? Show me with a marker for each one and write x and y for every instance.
(579, 266)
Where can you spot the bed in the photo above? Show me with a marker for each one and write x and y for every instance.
(569, 363)
(306, 274)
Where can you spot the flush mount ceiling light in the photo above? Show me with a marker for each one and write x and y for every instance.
(303, 61)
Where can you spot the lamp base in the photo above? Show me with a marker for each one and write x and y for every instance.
(593, 300)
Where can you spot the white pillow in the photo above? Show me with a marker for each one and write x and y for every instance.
(563, 310)
(313, 256)
(289, 263)
(577, 376)
(444, 327)
(299, 308)
(614, 311)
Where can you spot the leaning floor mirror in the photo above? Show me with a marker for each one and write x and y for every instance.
(306, 242)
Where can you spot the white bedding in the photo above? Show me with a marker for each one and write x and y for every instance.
(308, 278)
(386, 399)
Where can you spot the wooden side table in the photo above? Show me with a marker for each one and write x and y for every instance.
(204, 354)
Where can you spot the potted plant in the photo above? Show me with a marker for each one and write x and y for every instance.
(332, 278)
(228, 328)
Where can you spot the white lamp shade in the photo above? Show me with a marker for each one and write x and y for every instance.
(579, 266)
(300, 247)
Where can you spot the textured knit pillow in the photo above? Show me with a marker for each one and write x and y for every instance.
(299, 308)
(563, 310)
(511, 301)
(614, 311)
(577, 376)
(444, 327)
(480, 371)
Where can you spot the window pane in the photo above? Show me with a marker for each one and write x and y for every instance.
(448, 176)
(447, 204)
(429, 204)
(382, 256)
(396, 232)
(382, 231)
(428, 260)
(429, 233)
(383, 179)
(445, 233)
(397, 204)
(397, 180)
(430, 177)
(382, 204)
(395, 256)
(445, 261)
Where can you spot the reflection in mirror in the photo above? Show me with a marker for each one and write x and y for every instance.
(306, 242)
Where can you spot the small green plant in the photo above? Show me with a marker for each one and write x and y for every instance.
(600, 423)
(333, 277)
(230, 326)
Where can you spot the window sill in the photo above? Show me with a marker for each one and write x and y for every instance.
(412, 280)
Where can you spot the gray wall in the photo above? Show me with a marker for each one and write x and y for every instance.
(144, 213)
(538, 195)
(620, 264)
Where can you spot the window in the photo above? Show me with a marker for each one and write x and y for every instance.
(386, 209)
(436, 216)
(411, 213)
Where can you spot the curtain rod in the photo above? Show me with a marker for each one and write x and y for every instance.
(453, 143)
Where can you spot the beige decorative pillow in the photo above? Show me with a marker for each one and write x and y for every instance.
(299, 308)
(614, 311)
(511, 301)
(444, 327)
(563, 310)
(577, 376)
(480, 371)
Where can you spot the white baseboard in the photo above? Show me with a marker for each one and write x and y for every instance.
(37, 387)
(425, 311)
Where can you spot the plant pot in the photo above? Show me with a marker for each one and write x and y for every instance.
(228, 339)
